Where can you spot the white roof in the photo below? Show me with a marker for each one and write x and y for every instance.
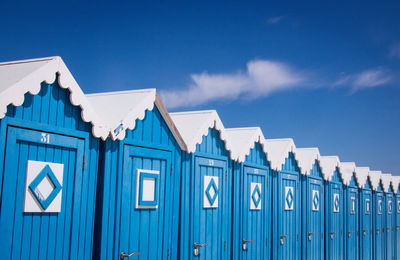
(20, 77)
(328, 166)
(346, 169)
(124, 107)
(306, 159)
(278, 150)
(194, 125)
(395, 183)
(386, 180)
(242, 141)
(375, 178)
(361, 174)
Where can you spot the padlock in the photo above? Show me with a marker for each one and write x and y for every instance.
(281, 241)
(244, 246)
(196, 252)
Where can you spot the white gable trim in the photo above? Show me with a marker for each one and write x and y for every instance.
(375, 178)
(15, 94)
(361, 174)
(346, 170)
(328, 165)
(278, 150)
(306, 158)
(395, 183)
(386, 180)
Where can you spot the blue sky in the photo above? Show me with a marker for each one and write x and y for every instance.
(325, 74)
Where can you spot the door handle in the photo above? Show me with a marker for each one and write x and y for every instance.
(282, 237)
(377, 231)
(196, 248)
(388, 229)
(244, 246)
(125, 255)
(310, 234)
(365, 232)
(349, 233)
(332, 233)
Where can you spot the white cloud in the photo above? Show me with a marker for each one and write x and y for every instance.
(275, 19)
(366, 79)
(261, 78)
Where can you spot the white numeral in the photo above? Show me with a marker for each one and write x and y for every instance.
(211, 162)
(45, 138)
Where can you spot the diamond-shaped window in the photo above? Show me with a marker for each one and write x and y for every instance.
(336, 202)
(315, 200)
(212, 197)
(289, 198)
(39, 194)
(256, 196)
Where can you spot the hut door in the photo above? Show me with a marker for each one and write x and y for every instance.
(41, 198)
(144, 221)
(208, 203)
(288, 217)
(334, 235)
(315, 209)
(352, 224)
(379, 226)
(254, 214)
(389, 226)
(366, 230)
(397, 227)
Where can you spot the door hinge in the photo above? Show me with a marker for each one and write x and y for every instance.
(84, 163)
(226, 175)
(168, 254)
(172, 167)
(224, 245)
(266, 242)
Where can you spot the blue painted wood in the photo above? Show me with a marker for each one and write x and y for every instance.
(120, 227)
(379, 223)
(312, 234)
(64, 235)
(351, 220)
(334, 219)
(390, 224)
(206, 225)
(397, 237)
(286, 223)
(251, 224)
(366, 222)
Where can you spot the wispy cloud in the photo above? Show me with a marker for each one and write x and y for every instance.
(275, 19)
(365, 79)
(261, 78)
(395, 51)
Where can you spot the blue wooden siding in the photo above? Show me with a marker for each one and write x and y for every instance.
(379, 224)
(389, 228)
(312, 221)
(366, 222)
(351, 220)
(334, 220)
(211, 147)
(255, 159)
(51, 111)
(151, 132)
(293, 222)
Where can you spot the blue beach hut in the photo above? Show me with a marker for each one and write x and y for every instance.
(251, 194)
(378, 214)
(389, 215)
(366, 219)
(313, 205)
(206, 190)
(49, 136)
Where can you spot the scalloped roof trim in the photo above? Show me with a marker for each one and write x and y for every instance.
(24, 79)
(375, 178)
(395, 183)
(328, 165)
(386, 180)
(306, 158)
(243, 140)
(347, 169)
(193, 125)
(278, 150)
(361, 174)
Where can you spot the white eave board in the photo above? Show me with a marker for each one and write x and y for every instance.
(386, 180)
(278, 150)
(306, 158)
(361, 174)
(346, 169)
(328, 165)
(375, 178)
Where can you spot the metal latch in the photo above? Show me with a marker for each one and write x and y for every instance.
(365, 232)
(125, 255)
(196, 248)
(332, 233)
(282, 237)
(310, 234)
(244, 246)
(349, 233)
